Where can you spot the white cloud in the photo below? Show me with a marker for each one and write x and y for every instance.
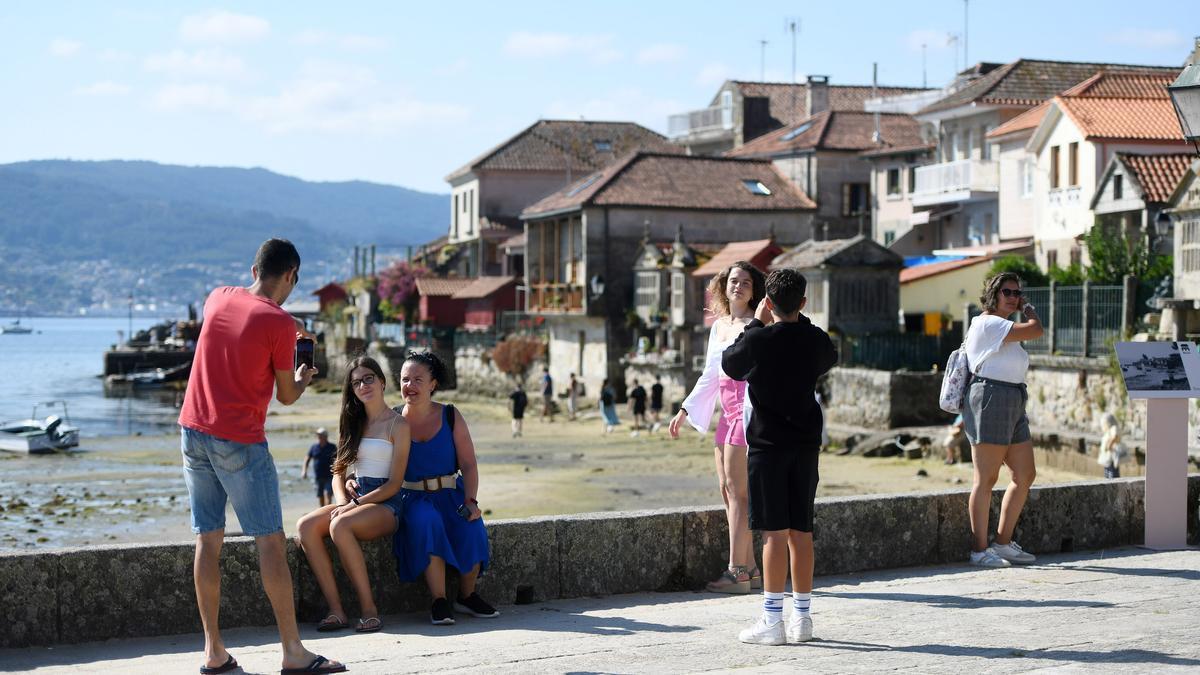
(103, 88)
(222, 26)
(629, 104)
(348, 41)
(661, 53)
(934, 40)
(193, 96)
(64, 48)
(597, 48)
(1146, 38)
(713, 74)
(204, 63)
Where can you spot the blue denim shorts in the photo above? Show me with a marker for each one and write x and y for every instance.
(217, 471)
(368, 484)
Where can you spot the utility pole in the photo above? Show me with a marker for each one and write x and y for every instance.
(966, 57)
(762, 61)
(924, 78)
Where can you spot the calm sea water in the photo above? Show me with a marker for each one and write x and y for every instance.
(63, 359)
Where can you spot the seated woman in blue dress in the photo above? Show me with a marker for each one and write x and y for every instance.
(442, 523)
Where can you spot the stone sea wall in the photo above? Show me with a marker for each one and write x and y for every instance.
(97, 593)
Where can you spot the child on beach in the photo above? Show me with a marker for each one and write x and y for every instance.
(519, 402)
(784, 436)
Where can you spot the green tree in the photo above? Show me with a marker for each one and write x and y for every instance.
(1113, 255)
(1072, 275)
(1031, 275)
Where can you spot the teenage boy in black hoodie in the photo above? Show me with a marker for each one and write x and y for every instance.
(781, 354)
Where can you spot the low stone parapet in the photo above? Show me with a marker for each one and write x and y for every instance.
(103, 592)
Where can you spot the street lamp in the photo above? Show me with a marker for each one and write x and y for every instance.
(1185, 96)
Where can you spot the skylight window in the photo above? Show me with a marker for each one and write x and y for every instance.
(797, 131)
(756, 187)
(584, 185)
(603, 146)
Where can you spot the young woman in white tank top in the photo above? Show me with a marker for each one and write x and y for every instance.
(373, 446)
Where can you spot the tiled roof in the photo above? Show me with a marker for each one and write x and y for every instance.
(1027, 82)
(1026, 121)
(482, 287)
(733, 252)
(562, 145)
(1143, 119)
(1158, 175)
(515, 241)
(850, 131)
(437, 286)
(1149, 83)
(813, 253)
(681, 182)
(787, 102)
(933, 269)
(887, 150)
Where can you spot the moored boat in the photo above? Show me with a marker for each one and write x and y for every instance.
(37, 437)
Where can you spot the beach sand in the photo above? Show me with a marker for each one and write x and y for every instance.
(131, 489)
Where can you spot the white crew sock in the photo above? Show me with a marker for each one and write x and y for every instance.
(802, 604)
(772, 607)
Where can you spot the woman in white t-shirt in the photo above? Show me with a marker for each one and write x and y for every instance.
(994, 416)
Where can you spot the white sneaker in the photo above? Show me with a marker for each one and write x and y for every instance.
(1013, 553)
(799, 628)
(762, 634)
(988, 558)
(633, 434)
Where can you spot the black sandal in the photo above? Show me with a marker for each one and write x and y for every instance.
(315, 667)
(230, 664)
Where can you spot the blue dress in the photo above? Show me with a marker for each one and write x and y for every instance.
(430, 522)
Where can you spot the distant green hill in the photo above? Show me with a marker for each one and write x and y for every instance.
(82, 234)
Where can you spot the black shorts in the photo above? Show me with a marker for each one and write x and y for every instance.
(783, 487)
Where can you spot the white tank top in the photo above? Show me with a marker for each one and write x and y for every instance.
(374, 458)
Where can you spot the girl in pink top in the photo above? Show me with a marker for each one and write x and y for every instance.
(733, 294)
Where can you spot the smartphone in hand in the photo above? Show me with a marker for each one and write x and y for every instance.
(305, 352)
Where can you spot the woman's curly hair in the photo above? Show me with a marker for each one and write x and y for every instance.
(990, 299)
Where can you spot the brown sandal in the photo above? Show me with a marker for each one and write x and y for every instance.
(370, 625)
(731, 581)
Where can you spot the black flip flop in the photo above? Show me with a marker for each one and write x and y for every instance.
(327, 626)
(230, 664)
(314, 667)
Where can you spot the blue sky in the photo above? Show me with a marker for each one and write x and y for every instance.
(405, 92)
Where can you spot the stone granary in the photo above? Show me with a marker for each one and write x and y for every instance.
(853, 284)
(583, 242)
(488, 193)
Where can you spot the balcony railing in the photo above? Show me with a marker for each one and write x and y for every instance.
(555, 298)
(955, 181)
(698, 121)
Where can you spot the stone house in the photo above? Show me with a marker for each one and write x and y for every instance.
(853, 284)
(1181, 317)
(583, 243)
(742, 111)
(1081, 131)
(1132, 194)
(488, 193)
(821, 154)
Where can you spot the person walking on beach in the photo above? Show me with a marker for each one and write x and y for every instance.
(734, 294)
(994, 416)
(547, 395)
(781, 355)
(245, 351)
(637, 406)
(373, 445)
(519, 402)
(656, 403)
(320, 455)
(572, 397)
(608, 407)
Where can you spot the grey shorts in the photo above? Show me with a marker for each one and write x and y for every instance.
(995, 413)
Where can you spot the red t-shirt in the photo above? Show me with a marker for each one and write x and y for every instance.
(245, 339)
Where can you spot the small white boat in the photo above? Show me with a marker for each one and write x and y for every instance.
(15, 328)
(39, 437)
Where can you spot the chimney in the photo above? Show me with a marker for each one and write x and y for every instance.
(817, 95)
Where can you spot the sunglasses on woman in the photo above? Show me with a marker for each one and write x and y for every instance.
(1011, 293)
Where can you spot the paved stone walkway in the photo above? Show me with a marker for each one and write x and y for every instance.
(1127, 610)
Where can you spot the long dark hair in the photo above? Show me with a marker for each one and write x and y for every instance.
(718, 302)
(354, 415)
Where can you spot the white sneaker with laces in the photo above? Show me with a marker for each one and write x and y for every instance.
(762, 634)
(799, 628)
(1013, 553)
(988, 558)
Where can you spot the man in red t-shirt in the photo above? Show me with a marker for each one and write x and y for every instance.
(245, 352)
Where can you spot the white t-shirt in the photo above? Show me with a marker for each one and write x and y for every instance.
(990, 356)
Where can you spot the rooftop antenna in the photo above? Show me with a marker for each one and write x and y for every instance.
(762, 61)
(952, 39)
(966, 58)
(875, 137)
(792, 25)
(924, 78)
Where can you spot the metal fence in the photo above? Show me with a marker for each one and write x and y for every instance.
(1079, 320)
(897, 351)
